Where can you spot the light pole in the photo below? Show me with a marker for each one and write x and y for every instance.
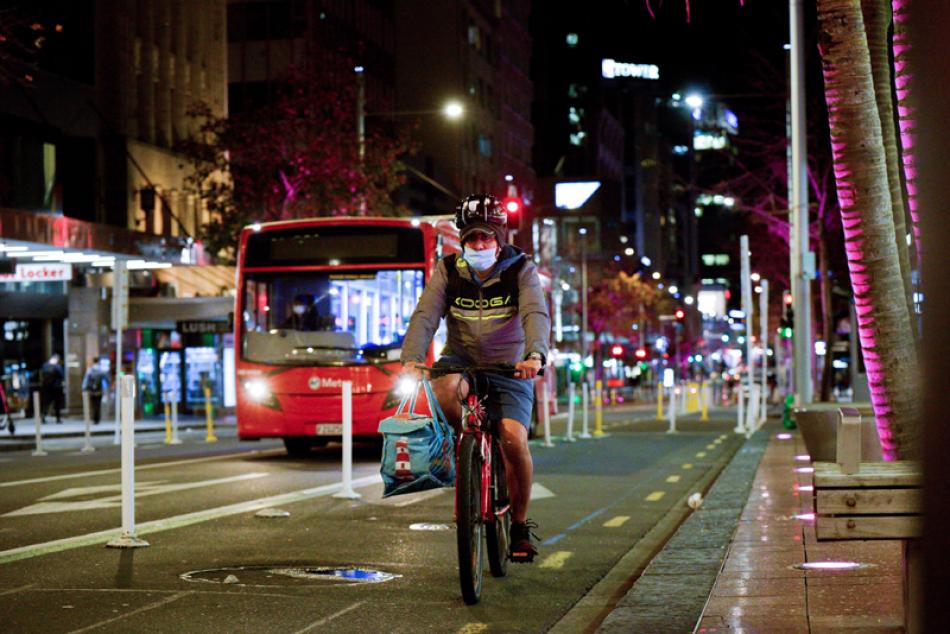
(798, 212)
(451, 110)
(583, 233)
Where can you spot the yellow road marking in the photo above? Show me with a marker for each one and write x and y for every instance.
(556, 560)
(473, 628)
(687, 466)
(710, 446)
(717, 441)
(701, 454)
(723, 437)
(616, 522)
(656, 496)
(673, 479)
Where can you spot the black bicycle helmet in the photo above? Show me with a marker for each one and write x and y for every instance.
(481, 212)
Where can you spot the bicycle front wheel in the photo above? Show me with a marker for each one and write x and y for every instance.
(469, 527)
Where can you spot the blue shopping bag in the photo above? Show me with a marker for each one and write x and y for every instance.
(418, 450)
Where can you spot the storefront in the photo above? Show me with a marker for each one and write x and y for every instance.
(175, 360)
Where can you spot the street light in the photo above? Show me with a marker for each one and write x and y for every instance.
(694, 100)
(453, 110)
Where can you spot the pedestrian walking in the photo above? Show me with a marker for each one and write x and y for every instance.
(96, 382)
(51, 388)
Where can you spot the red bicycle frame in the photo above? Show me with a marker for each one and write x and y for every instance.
(473, 418)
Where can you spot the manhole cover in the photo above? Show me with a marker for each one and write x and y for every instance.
(284, 575)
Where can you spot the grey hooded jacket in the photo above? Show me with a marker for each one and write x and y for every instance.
(487, 332)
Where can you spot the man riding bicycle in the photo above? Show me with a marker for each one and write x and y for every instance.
(495, 312)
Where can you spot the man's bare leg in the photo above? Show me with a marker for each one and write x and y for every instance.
(447, 392)
(518, 466)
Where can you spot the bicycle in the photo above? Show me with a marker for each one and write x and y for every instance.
(481, 485)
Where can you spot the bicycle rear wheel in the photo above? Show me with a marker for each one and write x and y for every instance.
(469, 527)
(497, 533)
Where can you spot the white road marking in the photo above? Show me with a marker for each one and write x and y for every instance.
(150, 606)
(15, 590)
(177, 521)
(159, 465)
(142, 489)
(327, 619)
(539, 492)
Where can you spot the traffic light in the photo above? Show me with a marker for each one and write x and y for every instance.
(513, 205)
(680, 314)
(616, 350)
(640, 354)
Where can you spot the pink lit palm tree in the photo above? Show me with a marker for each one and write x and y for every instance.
(884, 320)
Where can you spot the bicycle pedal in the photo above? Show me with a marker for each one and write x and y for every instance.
(521, 558)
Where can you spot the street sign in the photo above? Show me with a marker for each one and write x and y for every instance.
(120, 296)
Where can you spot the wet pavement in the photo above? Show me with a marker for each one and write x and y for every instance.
(759, 588)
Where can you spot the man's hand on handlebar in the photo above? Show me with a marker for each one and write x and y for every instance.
(528, 369)
(409, 370)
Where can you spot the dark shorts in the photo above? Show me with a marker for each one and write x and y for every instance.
(508, 397)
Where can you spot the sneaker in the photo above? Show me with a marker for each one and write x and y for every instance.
(522, 548)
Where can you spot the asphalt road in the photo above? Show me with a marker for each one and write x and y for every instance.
(195, 505)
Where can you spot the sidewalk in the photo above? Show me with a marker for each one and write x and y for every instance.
(730, 567)
(759, 590)
(74, 427)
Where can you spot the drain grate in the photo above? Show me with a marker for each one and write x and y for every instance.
(284, 575)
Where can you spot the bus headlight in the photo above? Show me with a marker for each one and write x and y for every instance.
(257, 390)
(407, 386)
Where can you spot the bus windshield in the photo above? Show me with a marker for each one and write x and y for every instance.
(324, 317)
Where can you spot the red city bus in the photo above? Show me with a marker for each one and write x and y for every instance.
(322, 301)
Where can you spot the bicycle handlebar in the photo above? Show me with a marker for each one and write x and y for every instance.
(497, 369)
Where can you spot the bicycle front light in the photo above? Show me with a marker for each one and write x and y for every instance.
(407, 386)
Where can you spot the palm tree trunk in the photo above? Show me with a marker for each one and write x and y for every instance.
(906, 115)
(877, 19)
(884, 326)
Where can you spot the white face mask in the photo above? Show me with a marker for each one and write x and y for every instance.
(480, 260)
(299, 310)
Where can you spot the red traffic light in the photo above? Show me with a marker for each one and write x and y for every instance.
(512, 205)
(617, 350)
(787, 297)
(680, 313)
(640, 353)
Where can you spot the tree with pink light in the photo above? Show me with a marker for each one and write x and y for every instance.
(885, 325)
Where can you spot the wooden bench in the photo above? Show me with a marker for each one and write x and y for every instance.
(870, 500)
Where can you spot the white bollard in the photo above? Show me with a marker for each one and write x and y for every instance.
(175, 439)
(37, 418)
(740, 413)
(570, 413)
(752, 410)
(346, 490)
(684, 387)
(127, 415)
(585, 405)
(546, 414)
(86, 404)
(674, 393)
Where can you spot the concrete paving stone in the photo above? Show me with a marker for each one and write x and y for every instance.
(880, 600)
(752, 625)
(625, 621)
(689, 561)
(732, 587)
(790, 606)
(658, 590)
(864, 625)
(716, 625)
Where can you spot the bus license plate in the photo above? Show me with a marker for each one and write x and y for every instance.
(330, 429)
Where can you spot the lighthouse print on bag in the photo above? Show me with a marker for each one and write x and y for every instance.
(403, 462)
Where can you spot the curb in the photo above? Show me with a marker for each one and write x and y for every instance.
(600, 601)
(673, 590)
(28, 443)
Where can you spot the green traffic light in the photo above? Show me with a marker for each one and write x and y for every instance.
(787, 332)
